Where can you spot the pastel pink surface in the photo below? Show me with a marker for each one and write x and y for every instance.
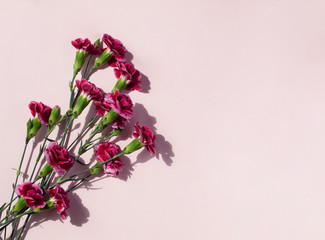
(236, 96)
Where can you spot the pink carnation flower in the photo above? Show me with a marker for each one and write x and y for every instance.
(86, 45)
(32, 193)
(102, 107)
(104, 152)
(60, 200)
(118, 123)
(129, 74)
(81, 44)
(147, 138)
(43, 112)
(89, 89)
(115, 46)
(59, 158)
(120, 103)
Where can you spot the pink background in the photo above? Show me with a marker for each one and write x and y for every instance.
(236, 96)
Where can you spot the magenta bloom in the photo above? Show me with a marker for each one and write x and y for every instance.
(104, 152)
(89, 89)
(147, 138)
(129, 74)
(102, 107)
(118, 123)
(59, 158)
(115, 46)
(32, 193)
(81, 44)
(43, 112)
(86, 45)
(60, 200)
(120, 103)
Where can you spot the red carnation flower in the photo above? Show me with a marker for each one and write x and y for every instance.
(60, 200)
(43, 112)
(147, 138)
(89, 89)
(32, 193)
(129, 74)
(59, 158)
(120, 103)
(104, 152)
(86, 45)
(115, 46)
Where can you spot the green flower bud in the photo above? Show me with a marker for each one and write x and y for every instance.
(96, 168)
(116, 132)
(120, 85)
(45, 170)
(55, 114)
(79, 61)
(103, 58)
(82, 103)
(111, 115)
(20, 204)
(32, 128)
(50, 203)
(97, 43)
(133, 146)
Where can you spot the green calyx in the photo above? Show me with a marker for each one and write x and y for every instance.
(103, 58)
(55, 114)
(120, 85)
(45, 170)
(82, 103)
(79, 61)
(98, 167)
(133, 146)
(32, 128)
(20, 204)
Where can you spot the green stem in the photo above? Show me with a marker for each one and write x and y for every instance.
(39, 155)
(83, 131)
(23, 227)
(87, 65)
(15, 184)
(72, 90)
(80, 182)
(90, 72)
(70, 120)
(99, 164)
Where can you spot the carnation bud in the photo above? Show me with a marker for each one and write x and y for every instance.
(133, 146)
(116, 132)
(111, 115)
(120, 85)
(45, 170)
(103, 58)
(55, 114)
(32, 128)
(79, 61)
(97, 42)
(81, 104)
(96, 168)
(20, 204)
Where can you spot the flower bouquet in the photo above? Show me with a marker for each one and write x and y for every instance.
(45, 187)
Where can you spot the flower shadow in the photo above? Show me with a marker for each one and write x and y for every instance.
(78, 214)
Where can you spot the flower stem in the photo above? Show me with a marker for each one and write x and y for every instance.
(79, 183)
(87, 65)
(83, 131)
(15, 184)
(39, 155)
(67, 126)
(23, 227)
(72, 91)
